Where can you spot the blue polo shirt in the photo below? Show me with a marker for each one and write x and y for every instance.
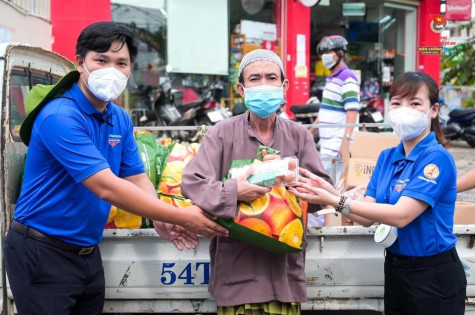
(427, 174)
(71, 141)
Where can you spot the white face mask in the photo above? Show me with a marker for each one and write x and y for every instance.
(408, 123)
(106, 83)
(327, 60)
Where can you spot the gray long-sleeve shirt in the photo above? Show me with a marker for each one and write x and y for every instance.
(242, 273)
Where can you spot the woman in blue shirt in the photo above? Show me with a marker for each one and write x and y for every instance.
(413, 188)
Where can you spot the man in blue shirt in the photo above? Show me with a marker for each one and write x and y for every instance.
(82, 157)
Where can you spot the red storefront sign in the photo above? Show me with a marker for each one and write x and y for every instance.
(69, 18)
(458, 10)
(268, 44)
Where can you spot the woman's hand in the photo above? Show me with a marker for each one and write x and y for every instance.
(314, 194)
(177, 235)
(314, 189)
(313, 180)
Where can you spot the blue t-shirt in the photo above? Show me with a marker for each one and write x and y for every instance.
(427, 174)
(71, 141)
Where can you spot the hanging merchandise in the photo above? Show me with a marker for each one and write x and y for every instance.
(248, 36)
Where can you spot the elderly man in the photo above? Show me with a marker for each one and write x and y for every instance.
(244, 277)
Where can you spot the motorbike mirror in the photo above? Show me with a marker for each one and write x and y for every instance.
(162, 80)
(166, 86)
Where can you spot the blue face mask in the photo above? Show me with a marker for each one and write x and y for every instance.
(264, 100)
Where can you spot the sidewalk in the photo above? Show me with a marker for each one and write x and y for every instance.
(465, 161)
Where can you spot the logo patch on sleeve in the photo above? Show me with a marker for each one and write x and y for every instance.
(431, 171)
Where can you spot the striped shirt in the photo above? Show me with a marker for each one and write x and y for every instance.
(341, 94)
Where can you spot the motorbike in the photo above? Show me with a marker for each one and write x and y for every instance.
(307, 113)
(162, 106)
(371, 112)
(156, 108)
(211, 111)
(459, 124)
(372, 105)
(165, 107)
(203, 112)
(316, 92)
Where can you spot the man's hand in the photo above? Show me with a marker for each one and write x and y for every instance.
(177, 235)
(269, 157)
(247, 191)
(202, 223)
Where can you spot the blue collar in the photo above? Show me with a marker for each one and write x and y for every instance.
(85, 106)
(428, 141)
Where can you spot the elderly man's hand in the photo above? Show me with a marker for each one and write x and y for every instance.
(269, 157)
(247, 191)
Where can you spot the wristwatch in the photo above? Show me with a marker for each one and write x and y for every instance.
(345, 209)
(344, 205)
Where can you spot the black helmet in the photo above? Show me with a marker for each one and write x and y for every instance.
(332, 43)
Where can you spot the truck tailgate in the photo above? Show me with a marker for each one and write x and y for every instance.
(344, 270)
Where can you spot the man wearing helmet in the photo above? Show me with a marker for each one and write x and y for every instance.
(340, 100)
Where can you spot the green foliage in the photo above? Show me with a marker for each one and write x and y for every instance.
(458, 64)
(468, 103)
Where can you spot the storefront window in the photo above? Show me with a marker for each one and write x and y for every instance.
(248, 24)
(397, 38)
(150, 29)
(156, 33)
(378, 40)
(253, 25)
